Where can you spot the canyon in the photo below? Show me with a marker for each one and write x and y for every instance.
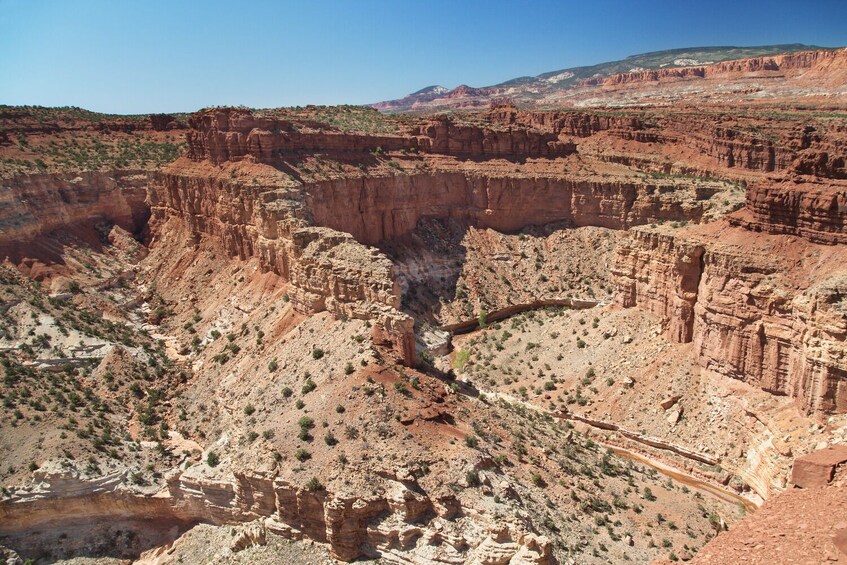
(470, 337)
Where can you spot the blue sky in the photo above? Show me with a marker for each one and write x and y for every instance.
(128, 56)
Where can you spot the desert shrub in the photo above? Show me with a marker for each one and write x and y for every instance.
(313, 485)
(212, 459)
(306, 423)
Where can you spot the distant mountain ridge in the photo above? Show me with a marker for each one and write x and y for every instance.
(528, 89)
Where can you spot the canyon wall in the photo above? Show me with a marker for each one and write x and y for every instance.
(425, 529)
(231, 135)
(661, 275)
(749, 316)
(33, 206)
(315, 233)
(815, 211)
(720, 145)
(327, 269)
(389, 207)
(442, 135)
(312, 236)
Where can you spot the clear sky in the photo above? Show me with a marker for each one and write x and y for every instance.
(138, 56)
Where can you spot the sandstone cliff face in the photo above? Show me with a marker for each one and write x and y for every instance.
(720, 144)
(390, 207)
(444, 136)
(661, 275)
(404, 523)
(754, 329)
(814, 211)
(746, 318)
(575, 124)
(232, 135)
(327, 269)
(330, 269)
(300, 232)
(32, 206)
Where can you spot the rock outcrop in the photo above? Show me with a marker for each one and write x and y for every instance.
(660, 274)
(815, 211)
(715, 142)
(232, 134)
(818, 469)
(328, 270)
(33, 206)
(404, 523)
(794, 63)
(751, 315)
(390, 207)
(472, 141)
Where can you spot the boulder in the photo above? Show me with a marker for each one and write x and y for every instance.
(817, 469)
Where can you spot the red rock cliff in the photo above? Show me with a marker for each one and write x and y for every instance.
(232, 134)
(748, 306)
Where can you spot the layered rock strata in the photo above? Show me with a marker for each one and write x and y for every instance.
(327, 269)
(32, 206)
(405, 521)
(313, 233)
(821, 60)
(815, 211)
(722, 143)
(751, 315)
(231, 135)
(386, 208)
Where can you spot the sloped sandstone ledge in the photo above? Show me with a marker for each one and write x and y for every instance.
(405, 525)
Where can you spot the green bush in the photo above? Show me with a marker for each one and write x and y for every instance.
(306, 423)
(212, 459)
(314, 485)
